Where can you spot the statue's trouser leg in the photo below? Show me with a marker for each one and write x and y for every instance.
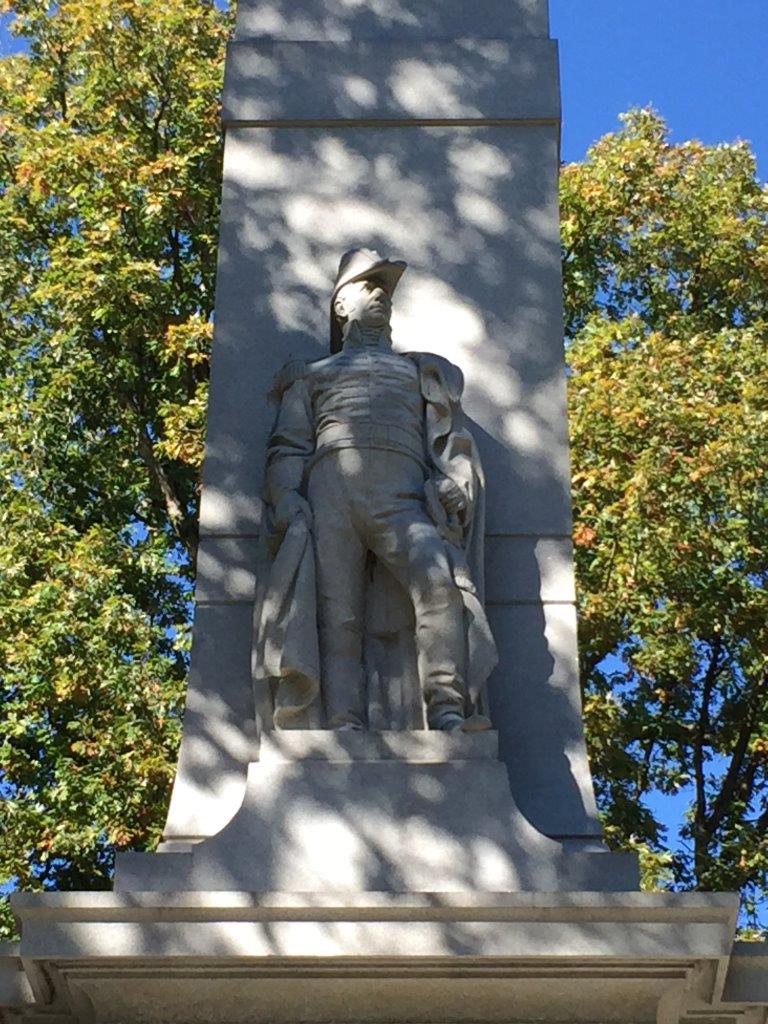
(401, 534)
(340, 569)
(374, 499)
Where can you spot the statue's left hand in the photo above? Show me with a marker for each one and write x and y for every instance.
(452, 498)
(289, 507)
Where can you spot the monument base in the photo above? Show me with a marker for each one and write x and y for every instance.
(331, 825)
(245, 958)
(357, 812)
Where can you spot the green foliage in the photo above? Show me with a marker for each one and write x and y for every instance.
(109, 183)
(666, 287)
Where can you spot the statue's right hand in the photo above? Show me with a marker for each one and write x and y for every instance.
(451, 495)
(289, 507)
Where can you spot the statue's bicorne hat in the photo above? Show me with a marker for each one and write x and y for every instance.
(362, 265)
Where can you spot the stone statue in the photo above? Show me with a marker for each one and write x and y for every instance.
(371, 616)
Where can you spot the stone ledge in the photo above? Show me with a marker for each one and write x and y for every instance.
(656, 907)
(379, 958)
(364, 925)
(425, 747)
(463, 81)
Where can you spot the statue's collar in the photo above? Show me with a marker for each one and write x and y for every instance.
(356, 336)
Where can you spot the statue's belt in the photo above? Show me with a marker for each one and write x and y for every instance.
(369, 435)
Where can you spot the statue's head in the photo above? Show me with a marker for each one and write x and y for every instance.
(363, 292)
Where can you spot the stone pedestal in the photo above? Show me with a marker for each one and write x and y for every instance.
(357, 812)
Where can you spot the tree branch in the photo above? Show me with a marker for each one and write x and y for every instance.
(184, 527)
(702, 728)
(641, 782)
(701, 834)
(731, 779)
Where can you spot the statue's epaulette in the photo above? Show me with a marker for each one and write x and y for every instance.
(288, 374)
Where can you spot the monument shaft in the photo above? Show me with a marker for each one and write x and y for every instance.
(431, 134)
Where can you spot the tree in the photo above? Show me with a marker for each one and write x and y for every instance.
(109, 182)
(665, 256)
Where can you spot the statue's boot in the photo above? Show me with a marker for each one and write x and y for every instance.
(449, 717)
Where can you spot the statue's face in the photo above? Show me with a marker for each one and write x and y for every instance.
(364, 301)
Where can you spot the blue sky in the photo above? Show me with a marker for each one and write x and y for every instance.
(703, 64)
